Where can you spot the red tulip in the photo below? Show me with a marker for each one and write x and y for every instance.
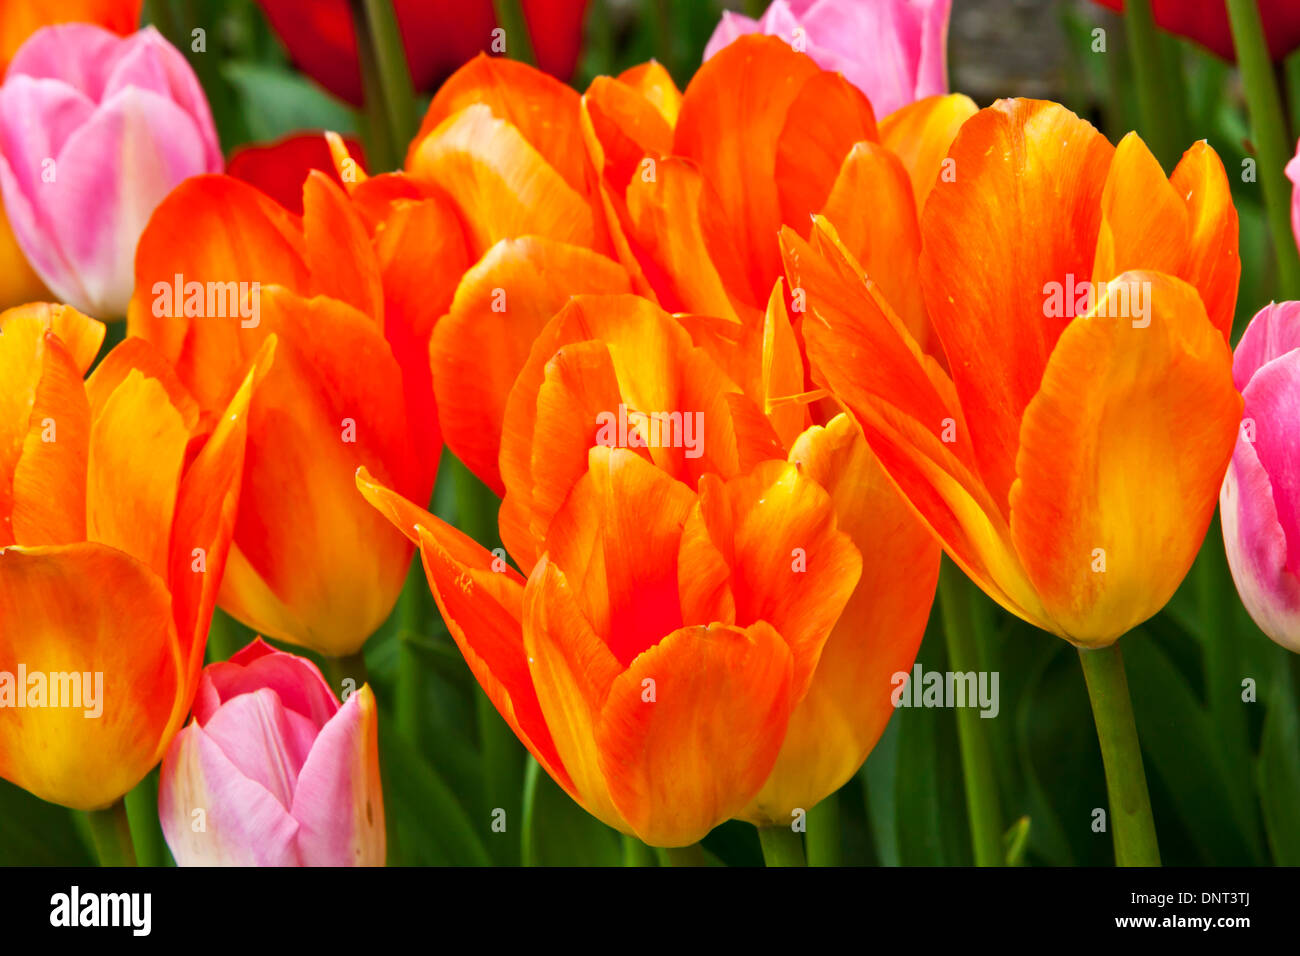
(1206, 22)
(438, 35)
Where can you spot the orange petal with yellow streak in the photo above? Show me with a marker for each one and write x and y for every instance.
(1122, 453)
(85, 609)
(696, 753)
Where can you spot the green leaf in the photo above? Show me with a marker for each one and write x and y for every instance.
(36, 833)
(1016, 841)
(1279, 769)
(277, 102)
(427, 824)
(558, 832)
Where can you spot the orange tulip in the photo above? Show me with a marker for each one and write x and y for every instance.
(715, 565)
(498, 142)
(697, 187)
(117, 505)
(219, 268)
(1070, 462)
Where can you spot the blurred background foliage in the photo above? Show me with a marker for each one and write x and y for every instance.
(1224, 772)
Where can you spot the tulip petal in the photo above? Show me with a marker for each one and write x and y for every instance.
(572, 670)
(112, 172)
(848, 703)
(1122, 453)
(296, 681)
(757, 79)
(1156, 240)
(503, 302)
(502, 186)
(689, 732)
(790, 565)
(481, 600)
(51, 622)
(245, 236)
(920, 135)
(49, 481)
(331, 401)
(1027, 197)
(543, 110)
(1257, 547)
(871, 207)
(616, 539)
(242, 824)
(1213, 265)
(204, 523)
(130, 496)
(1274, 331)
(339, 802)
(339, 254)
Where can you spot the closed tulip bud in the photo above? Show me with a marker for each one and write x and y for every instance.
(1260, 500)
(95, 130)
(116, 512)
(272, 771)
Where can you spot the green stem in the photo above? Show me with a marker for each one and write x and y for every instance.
(1126, 781)
(1154, 84)
(956, 596)
(782, 846)
(142, 815)
(510, 17)
(385, 82)
(636, 853)
(823, 838)
(111, 830)
(350, 666)
(1268, 130)
(692, 855)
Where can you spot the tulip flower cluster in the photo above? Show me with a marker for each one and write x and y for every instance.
(741, 362)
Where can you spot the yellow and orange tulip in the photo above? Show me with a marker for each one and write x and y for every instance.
(1071, 460)
(311, 563)
(117, 505)
(710, 570)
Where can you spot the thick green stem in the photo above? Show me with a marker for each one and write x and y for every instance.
(692, 855)
(636, 853)
(385, 82)
(510, 17)
(349, 667)
(1126, 781)
(956, 594)
(825, 847)
(142, 816)
(1269, 133)
(782, 846)
(1154, 84)
(112, 834)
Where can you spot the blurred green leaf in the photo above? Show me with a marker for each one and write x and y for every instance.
(277, 102)
(36, 833)
(1279, 767)
(427, 825)
(558, 832)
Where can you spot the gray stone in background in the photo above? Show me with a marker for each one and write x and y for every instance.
(1016, 47)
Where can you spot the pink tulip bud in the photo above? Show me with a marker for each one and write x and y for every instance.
(1260, 501)
(272, 771)
(95, 129)
(894, 51)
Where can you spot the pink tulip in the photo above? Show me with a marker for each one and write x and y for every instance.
(894, 51)
(271, 771)
(95, 129)
(1260, 501)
